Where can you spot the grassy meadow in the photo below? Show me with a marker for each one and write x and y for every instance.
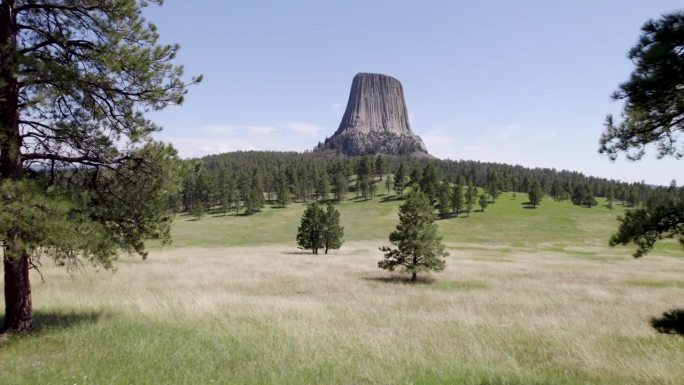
(529, 296)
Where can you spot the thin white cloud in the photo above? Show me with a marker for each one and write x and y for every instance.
(303, 128)
(216, 129)
(236, 128)
(505, 134)
(544, 136)
(506, 144)
(220, 138)
(261, 129)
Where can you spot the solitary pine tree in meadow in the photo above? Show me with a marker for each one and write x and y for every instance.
(418, 247)
(333, 233)
(75, 80)
(534, 196)
(310, 231)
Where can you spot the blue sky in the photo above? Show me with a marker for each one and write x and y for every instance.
(518, 82)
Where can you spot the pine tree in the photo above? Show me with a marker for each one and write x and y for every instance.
(76, 79)
(197, 210)
(226, 191)
(471, 193)
(341, 186)
(201, 193)
(428, 182)
(389, 183)
(610, 198)
(525, 185)
(323, 188)
(493, 185)
(282, 191)
(555, 190)
(333, 233)
(483, 201)
(380, 166)
(414, 178)
(494, 191)
(457, 198)
(419, 248)
(310, 231)
(225, 204)
(535, 194)
(400, 180)
(254, 195)
(372, 190)
(589, 199)
(653, 112)
(444, 200)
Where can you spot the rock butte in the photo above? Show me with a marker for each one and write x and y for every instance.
(375, 121)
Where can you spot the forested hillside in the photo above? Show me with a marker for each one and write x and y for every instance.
(243, 182)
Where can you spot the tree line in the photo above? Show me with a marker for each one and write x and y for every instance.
(244, 182)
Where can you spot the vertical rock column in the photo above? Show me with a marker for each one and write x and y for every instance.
(376, 120)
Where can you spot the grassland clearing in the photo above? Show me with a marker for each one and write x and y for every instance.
(562, 308)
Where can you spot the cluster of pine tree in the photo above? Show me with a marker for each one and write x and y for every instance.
(320, 229)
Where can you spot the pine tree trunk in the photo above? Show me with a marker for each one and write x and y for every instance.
(414, 276)
(15, 261)
(18, 309)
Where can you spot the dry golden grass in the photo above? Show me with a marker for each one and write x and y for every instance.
(492, 314)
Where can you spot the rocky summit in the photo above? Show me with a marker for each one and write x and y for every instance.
(375, 121)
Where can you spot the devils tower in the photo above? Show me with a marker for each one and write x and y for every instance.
(375, 121)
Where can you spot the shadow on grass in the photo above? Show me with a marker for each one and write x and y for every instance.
(362, 200)
(221, 215)
(44, 321)
(300, 252)
(671, 322)
(390, 198)
(402, 279)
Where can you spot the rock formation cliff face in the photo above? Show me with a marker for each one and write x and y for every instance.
(375, 121)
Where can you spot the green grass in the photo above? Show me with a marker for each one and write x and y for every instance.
(529, 296)
(460, 285)
(655, 283)
(504, 224)
(129, 351)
